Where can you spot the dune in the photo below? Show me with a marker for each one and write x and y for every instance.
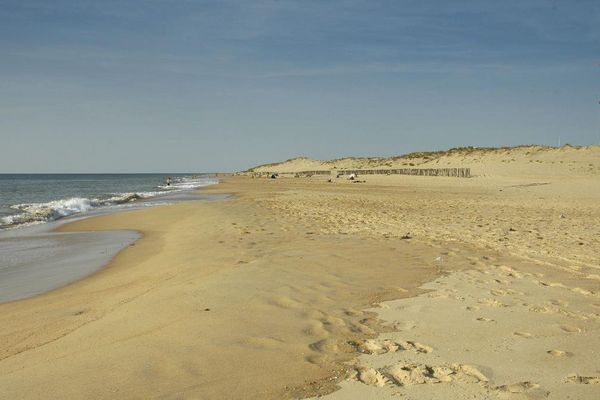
(420, 287)
(509, 161)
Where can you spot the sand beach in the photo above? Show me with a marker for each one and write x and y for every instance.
(414, 287)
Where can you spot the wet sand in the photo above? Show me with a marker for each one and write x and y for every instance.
(35, 259)
(223, 300)
(34, 263)
(271, 294)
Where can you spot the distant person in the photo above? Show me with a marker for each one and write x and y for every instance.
(168, 181)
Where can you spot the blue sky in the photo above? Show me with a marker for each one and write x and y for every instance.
(149, 85)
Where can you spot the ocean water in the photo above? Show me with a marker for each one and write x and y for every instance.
(27, 199)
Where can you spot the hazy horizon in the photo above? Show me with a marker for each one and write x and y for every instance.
(137, 86)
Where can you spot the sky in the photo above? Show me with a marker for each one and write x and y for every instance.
(195, 86)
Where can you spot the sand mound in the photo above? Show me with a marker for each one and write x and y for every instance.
(503, 161)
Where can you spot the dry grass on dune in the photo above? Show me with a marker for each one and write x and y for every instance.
(535, 157)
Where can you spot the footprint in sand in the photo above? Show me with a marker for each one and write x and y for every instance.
(585, 380)
(484, 319)
(570, 328)
(584, 292)
(331, 346)
(491, 302)
(316, 328)
(437, 295)
(404, 325)
(551, 284)
(530, 389)
(285, 302)
(415, 374)
(420, 348)
(510, 272)
(265, 342)
(358, 327)
(419, 374)
(469, 371)
(522, 334)
(371, 377)
(372, 346)
(593, 276)
(476, 261)
(559, 353)
(541, 309)
(519, 387)
(557, 302)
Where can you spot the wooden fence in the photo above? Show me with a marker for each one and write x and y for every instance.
(456, 172)
(311, 173)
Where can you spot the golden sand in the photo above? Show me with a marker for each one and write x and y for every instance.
(270, 294)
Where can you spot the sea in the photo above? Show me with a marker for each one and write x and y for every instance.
(34, 258)
(28, 199)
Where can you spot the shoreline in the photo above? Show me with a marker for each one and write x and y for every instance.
(316, 356)
(40, 258)
(49, 261)
(274, 279)
(75, 205)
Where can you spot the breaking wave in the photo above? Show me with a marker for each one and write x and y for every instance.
(33, 213)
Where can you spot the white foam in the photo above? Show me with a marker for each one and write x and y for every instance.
(31, 213)
(52, 210)
(34, 213)
(180, 184)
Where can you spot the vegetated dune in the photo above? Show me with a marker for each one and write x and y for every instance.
(520, 160)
